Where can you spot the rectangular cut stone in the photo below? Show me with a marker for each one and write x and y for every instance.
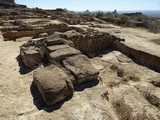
(62, 54)
(31, 58)
(80, 66)
(56, 47)
(56, 41)
(53, 83)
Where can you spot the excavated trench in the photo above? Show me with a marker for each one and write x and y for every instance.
(93, 45)
(139, 56)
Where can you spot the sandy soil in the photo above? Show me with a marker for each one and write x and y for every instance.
(13, 85)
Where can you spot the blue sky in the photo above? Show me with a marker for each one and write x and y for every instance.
(105, 5)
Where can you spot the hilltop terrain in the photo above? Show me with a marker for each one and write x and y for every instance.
(62, 65)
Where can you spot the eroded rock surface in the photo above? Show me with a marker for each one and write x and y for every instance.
(32, 53)
(53, 84)
(1, 37)
(62, 54)
(80, 66)
(129, 104)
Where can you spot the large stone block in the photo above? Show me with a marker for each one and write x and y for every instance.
(81, 67)
(31, 58)
(53, 83)
(55, 41)
(62, 54)
(56, 47)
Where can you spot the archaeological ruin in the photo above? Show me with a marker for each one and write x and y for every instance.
(62, 65)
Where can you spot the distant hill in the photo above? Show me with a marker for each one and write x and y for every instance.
(7, 1)
(134, 19)
(150, 13)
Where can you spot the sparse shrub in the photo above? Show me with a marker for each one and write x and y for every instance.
(100, 14)
(145, 24)
(131, 20)
(140, 18)
(123, 19)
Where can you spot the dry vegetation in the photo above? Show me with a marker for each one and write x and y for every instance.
(130, 20)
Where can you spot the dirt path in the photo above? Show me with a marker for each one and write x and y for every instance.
(15, 97)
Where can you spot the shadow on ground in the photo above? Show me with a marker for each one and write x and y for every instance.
(22, 69)
(41, 105)
(156, 41)
(85, 85)
(39, 102)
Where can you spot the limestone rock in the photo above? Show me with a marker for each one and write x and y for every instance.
(18, 22)
(91, 42)
(1, 37)
(56, 47)
(81, 67)
(62, 54)
(56, 41)
(156, 81)
(71, 33)
(43, 35)
(150, 92)
(31, 58)
(34, 27)
(7, 24)
(52, 40)
(32, 53)
(53, 84)
(12, 35)
(22, 39)
(58, 34)
(130, 105)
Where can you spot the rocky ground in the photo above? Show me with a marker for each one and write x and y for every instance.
(127, 87)
(124, 86)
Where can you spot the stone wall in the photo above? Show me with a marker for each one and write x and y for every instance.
(26, 30)
(140, 56)
(92, 43)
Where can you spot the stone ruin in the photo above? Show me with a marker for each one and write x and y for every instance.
(62, 61)
(64, 56)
